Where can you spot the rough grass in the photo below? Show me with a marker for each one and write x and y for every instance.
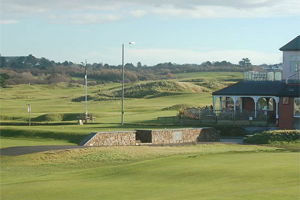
(214, 171)
(147, 89)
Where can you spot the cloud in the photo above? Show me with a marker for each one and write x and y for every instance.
(92, 9)
(8, 21)
(138, 13)
(85, 18)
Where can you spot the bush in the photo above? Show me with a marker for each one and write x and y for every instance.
(177, 107)
(267, 137)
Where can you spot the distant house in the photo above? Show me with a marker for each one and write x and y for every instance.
(279, 101)
(268, 75)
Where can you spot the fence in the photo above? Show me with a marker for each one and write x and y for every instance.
(206, 115)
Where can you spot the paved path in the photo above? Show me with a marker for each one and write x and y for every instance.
(21, 150)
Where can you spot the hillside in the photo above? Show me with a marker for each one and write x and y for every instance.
(150, 89)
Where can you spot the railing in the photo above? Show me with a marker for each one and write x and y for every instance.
(217, 115)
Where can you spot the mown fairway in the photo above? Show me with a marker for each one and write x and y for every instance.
(191, 172)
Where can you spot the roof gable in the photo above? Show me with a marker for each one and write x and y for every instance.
(293, 45)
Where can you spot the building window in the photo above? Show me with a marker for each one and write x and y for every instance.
(295, 66)
(296, 107)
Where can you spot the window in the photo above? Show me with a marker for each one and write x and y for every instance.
(296, 107)
(295, 66)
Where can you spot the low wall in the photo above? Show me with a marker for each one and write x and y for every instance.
(173, 136)
(117, 138)
(159, 136)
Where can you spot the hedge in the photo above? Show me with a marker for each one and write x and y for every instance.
(266, 137)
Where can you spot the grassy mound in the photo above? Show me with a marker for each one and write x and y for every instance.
(159, 88)
(212, 84)
(267, 137)
(145, 90)
(58, 117)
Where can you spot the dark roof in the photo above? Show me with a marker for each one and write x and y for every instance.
(293, 45)
(261, 88)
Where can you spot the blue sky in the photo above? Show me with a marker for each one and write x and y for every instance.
(179, 31)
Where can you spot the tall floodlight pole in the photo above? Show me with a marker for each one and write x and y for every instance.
(123, 81)
(85, 80)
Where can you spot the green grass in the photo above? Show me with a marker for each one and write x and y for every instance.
(205, 171)
(215, 171)
(55, 114)
(26, 141)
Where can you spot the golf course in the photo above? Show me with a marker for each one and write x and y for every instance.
(208, 171)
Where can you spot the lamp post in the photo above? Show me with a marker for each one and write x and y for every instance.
(86, 88)
(123, 81)
(29, 114)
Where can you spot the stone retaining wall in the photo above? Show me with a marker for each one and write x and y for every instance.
(159, 136)
(117, 138)
(173, 136)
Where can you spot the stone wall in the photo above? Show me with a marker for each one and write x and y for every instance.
(173, 136)
(159, 136)
(117, 138)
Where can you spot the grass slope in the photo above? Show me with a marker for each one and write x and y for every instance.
(187, 172)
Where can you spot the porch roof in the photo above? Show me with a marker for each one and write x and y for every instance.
(261, 88)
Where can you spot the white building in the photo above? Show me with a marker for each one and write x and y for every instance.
(291, 59)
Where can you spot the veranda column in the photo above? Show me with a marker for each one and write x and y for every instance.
(277, 105)
(234, 105)
(255, 105)
(214, 104)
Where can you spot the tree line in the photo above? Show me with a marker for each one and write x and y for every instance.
(29, 69)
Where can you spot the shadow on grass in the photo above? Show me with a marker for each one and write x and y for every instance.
(29, 133)
(37, 123)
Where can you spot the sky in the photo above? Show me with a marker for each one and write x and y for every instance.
(177, 31)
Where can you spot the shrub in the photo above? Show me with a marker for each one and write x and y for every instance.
(266, 137)
(177, 107)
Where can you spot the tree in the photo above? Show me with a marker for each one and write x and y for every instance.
(245, 62)
(2, 61)
(3, 79)
(139, 64)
